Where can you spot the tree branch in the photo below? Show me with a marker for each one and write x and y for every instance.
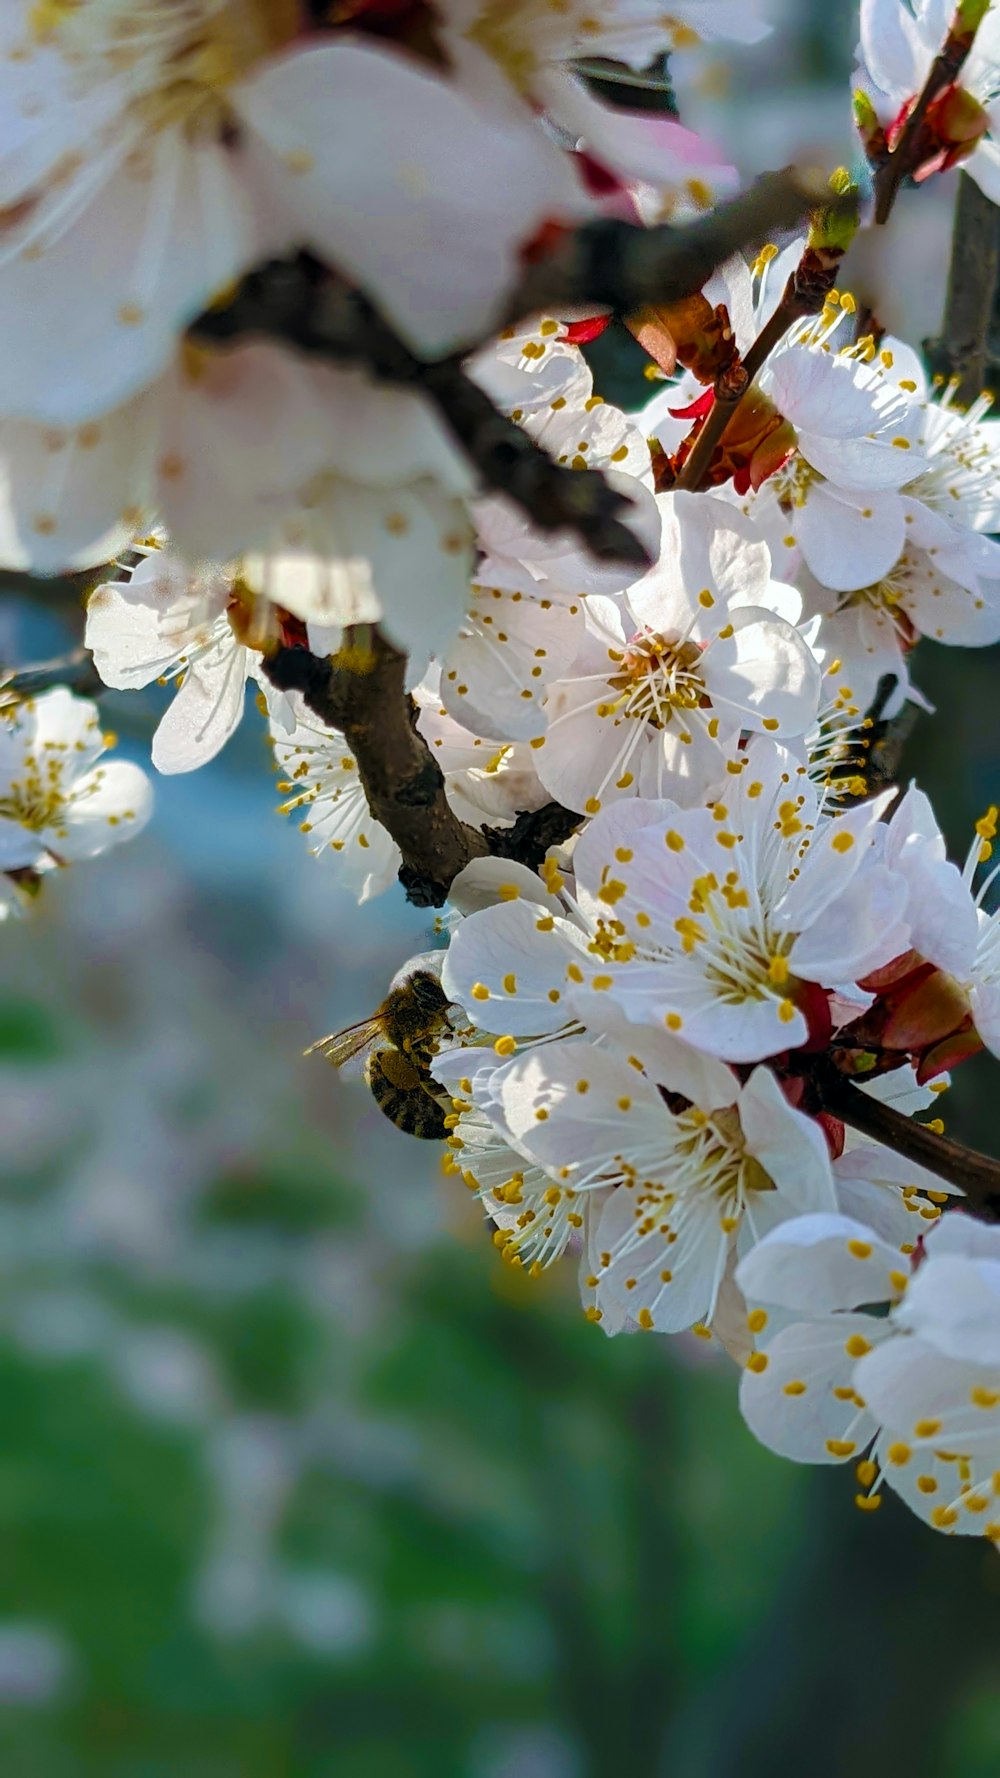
(804, 294)
(608, 264)
(361, 691)
(961, 350)
(75, 671)
(296, 300)
(904, 158)
(618, 266)
(530, 836)
(977, 1175)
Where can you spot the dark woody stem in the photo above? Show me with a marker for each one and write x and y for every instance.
(729, 392)
(362, 692)
(902, 160)
(803, 295)
(976, 1175)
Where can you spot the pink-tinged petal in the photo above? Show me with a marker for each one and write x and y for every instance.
(654, 150)
(370, 154)
(846, 544)
(798, 1403)
(205, 711)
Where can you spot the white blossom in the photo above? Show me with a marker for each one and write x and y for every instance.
(182, 143)
(669, 675)
(949, 925)
(205, 630)
(900, 40)
(59, 802)
(672, 1190)
(914, 1395)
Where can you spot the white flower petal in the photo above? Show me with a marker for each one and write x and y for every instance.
(792, 1405)
(507, 967)
(849, 545)
(820, 1263)
(371, 155)
(205, 711)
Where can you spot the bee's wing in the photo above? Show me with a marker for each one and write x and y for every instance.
(343, 1046)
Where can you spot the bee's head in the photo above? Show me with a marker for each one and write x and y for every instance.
(414, 1010)
(427, 991)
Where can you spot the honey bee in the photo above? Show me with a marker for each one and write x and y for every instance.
(400, 1040)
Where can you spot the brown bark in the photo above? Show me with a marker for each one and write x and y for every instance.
(362, 692)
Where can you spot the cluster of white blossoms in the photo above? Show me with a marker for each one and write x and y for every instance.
(688, 1040)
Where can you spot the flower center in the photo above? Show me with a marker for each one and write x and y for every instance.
(37, 800)
(886, 598)
(180, 56)
(724, 1166)
(960, 480)
(657, 677)
(509, 40)
(793, 480)
(743, 960)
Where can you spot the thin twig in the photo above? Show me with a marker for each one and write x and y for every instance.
(961, 350)
(976, 1175)
(904, 157)
(618, 266)
(75, 671)
(729, 392)
(804, 294)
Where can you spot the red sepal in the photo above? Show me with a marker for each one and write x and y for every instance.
(580, 333)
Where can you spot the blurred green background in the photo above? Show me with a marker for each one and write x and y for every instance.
(296, 1480)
